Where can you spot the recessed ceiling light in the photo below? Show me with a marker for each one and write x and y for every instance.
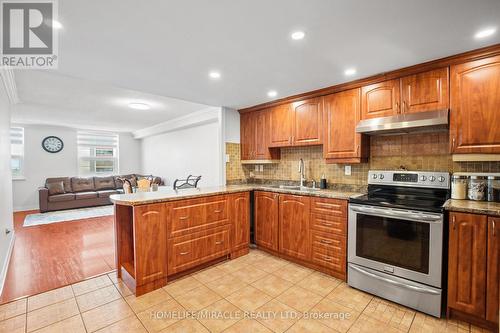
(214, 75)
(272, 93)
(56, 24)
(139, 106)
(297, 35)
(350, 71)
(485, 33)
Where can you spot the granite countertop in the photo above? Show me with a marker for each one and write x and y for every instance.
(476, 207)
(165, 193)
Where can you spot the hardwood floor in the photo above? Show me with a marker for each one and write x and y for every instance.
(50, 256)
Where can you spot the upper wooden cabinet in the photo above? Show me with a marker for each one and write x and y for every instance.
(426, 91)
(255, 131)
(475, 106)
(266, 219)
(380, 99)
(297, 124)
(341, 114)
(294, 225)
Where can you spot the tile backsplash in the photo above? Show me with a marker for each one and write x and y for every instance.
(415, 152)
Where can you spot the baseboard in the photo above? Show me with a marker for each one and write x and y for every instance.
(24, 208)
(5, 266)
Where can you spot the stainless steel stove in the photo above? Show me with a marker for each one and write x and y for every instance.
(395, 238)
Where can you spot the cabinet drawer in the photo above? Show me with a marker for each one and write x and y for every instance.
(329, 260)
(194, 215)
(329, 223)
(333, 244)
(192, 250)
(334, 207)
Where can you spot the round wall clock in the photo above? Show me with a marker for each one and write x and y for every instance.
(52, 144)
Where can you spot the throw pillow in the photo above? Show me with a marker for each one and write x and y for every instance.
(56, 188)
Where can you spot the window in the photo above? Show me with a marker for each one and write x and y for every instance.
(17, 152)
(97, 153)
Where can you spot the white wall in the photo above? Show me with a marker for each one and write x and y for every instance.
(232, 125)
(39, 165)
(5, 185)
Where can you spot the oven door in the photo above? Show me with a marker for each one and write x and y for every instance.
(403, 243)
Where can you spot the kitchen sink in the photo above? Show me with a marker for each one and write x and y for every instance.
(298, 188)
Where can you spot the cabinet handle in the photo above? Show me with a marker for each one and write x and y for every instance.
(404, 106)
(494, 227)
(327, 224)
(183, 217)
(327, 258)
(453, 222)
(218, 211)
(397, 108)
(357, 150)
(219, 242)
(453, 143)
(183, 253)
(325, 241)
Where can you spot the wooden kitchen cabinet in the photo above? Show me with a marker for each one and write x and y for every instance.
(281, 126)
(467, 263)
(255, 136)
(341, 114)
(474, 107)
(239, 204)
(492, 273)
(381, 99)
(266, 218)
(427, 91)
(294, 215)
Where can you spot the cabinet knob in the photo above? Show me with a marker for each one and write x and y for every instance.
(453, 222)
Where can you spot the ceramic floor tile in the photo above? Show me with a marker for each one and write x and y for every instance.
(219, 316)
(49, 297)
(86, 286)
(226, 285)
(334, 315)
(293, 273)
(73, 325)
(272, 285)
(12, 309)
(181, 286)
(423, 323)
(112, 276)
(162, 315)
(299, 298)
(106, 315)
(394, 315)
(51, 314)
(13, 325)
(198, 298)
(277, 316)
(143, 302)
(123, 289)
(97, 298)
(209, 274)
(186, 326)
(268, 264)
(249, 298)
(319, 283)
(475, 329)
(350, 297)
(248, 325)
(127, 325)
(234, 265)
(367, 324)
(312, 326)
(249, 274)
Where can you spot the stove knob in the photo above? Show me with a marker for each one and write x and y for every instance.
(441, 179)
(432, 178)
(381, 176)
(374, 176)
(423, 178)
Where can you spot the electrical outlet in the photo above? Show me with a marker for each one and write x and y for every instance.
(347, 170)
(261, 168)
(252, 175)
(256, 168)
(227, 158)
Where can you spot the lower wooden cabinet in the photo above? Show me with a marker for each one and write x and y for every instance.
(266, 220)
(239, 215)
(294, 225)
(473, 266)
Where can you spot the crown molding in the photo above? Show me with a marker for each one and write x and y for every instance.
(9, 82)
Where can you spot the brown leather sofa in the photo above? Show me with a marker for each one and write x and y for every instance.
(77, 192)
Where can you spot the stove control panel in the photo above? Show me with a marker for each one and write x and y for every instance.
(410, 178)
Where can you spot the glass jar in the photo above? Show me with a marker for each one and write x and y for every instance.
(459, 187)
(493, 188)
(477, 188)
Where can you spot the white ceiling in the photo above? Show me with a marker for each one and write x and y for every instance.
(167, 48)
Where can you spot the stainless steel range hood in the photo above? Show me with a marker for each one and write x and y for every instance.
(429, 121)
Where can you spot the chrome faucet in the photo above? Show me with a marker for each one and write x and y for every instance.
(302, 173)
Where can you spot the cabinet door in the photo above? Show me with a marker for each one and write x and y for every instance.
(467, 263)
(294, 226)
(281, 126)
(307, 122)
(493, 276)
(342, 113)
(266, 220)
(150, 230)
(380, 99)
(240, 220)
(426, 91)
(475, 107)
(247, 126)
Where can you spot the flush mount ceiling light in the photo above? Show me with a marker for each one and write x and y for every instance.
(215, 75)
(56, 24)
(272, 93)
(350, 71)
(485, 33)
(298, 35)
(139, 106)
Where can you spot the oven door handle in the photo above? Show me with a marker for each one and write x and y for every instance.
(400, 214)
(395, 283)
